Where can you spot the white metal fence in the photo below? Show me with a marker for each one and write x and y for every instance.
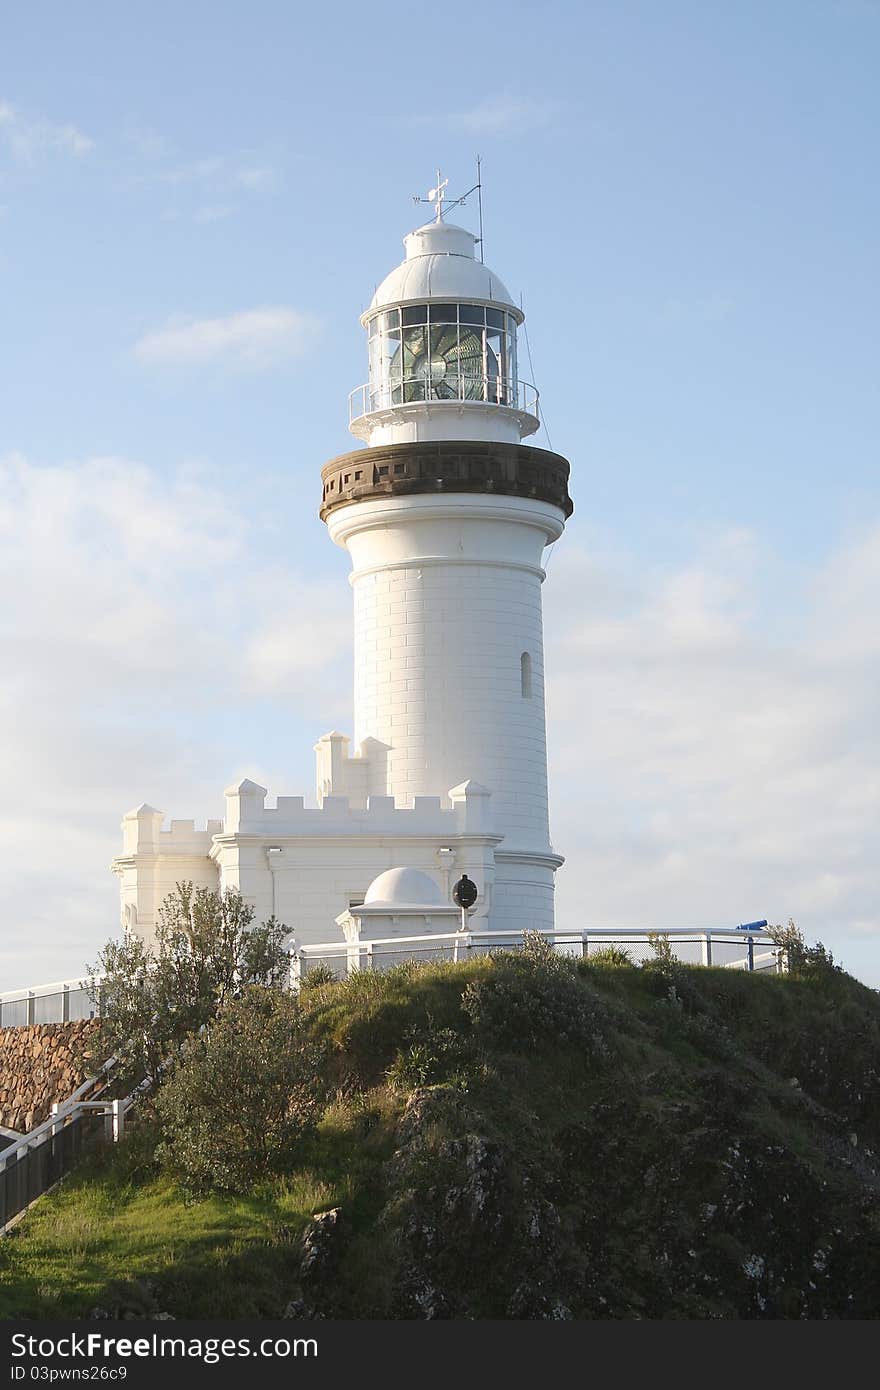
(63, 1001)
(731, 948)
(32, 1163)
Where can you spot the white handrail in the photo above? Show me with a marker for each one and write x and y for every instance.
(633, 934)
(512, 393)
(13, 996)
(67, 1110)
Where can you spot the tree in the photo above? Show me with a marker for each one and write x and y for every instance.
(153, 998)
(245, 1093)
(814, 963)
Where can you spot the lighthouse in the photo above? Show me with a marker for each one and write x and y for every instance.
(446, 515)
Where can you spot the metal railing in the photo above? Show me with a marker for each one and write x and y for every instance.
(461, 390)
(63, 1001)
(36, 1161)
(730, 948)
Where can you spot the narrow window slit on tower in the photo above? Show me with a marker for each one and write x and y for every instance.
(525, 668)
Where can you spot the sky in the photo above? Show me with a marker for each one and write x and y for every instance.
(196, 203)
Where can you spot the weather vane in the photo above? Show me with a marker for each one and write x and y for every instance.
(437, 198)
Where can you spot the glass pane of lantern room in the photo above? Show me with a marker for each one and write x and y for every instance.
(442, 367)
(415, 359)
(494, 374)
(444, 313)
(375, 373)
(392, 366)
(472, 363)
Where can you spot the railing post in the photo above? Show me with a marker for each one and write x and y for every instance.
(751, 952)
(295, 975)
(31, 1007)
(117, 1111)
(369, 955)
(65, 1003)
(707, 949)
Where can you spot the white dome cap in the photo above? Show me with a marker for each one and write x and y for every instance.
(440, 264)
(403, 887)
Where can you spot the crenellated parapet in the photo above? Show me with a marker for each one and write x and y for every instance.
(143, 833)
(248, 814)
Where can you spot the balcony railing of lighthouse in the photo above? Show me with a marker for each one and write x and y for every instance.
(461, 390)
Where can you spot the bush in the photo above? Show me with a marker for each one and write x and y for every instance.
(812, 963)
(533, 996)
(431, 1055)
(608, 957)
(247, 1091)
(320, 974)
(153, 998)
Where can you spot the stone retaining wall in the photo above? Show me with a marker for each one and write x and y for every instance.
(38, 1065)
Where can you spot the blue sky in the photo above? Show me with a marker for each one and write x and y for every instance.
(195, 204)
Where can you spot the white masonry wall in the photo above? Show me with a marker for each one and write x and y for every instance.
(306, 865)
(447, 600)
(154, 861)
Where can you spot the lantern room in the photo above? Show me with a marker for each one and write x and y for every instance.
(442, 335)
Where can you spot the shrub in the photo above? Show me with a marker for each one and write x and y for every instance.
(533, 996)
(153, 998)
(431, 1055)
(813, 963)
(246, 1092)
(609, 957)
(320, 974)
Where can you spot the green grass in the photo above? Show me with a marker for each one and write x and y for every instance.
(677, 1100)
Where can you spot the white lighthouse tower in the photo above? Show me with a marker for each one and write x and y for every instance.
(446, 515)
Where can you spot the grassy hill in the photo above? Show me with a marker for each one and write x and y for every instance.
(519, 1138)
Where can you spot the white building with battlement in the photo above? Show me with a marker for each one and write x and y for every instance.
(445, 515)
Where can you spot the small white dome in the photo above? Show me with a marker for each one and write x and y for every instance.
(401, 887)
(440, 264)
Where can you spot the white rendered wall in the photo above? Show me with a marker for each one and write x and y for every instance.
(412, 424)
(447, 598)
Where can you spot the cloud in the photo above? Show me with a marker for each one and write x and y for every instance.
(206, 190)
(504, 114)
(145, 645)
(213, 212)
(705, 768)
(254, 339)
(28, 138)
(712, 723)
(253, 179)
(216, 178)
(294, 647)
